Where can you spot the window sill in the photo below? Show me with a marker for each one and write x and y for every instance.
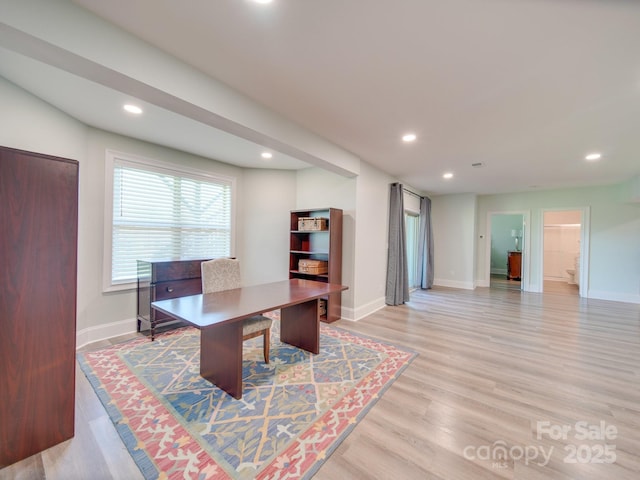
(121, 287)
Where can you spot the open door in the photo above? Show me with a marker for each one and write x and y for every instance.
(507, 250)
(564, 254)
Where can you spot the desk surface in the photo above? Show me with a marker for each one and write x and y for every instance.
(209, 309)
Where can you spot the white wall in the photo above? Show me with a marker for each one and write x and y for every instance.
(371, 240)
(317, 188)
(268, 197)
(614, 249)
(454, 239)
(263, 200)
(365, 204)
(96, 308)
(27, 123)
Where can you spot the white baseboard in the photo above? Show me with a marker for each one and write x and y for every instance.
(613, 296)
(103, 332)
(355, 314)
(124, 327)
(499, 271)
(483, 283)
(534, 288)
(453, 284)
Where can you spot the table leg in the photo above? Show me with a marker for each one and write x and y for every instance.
(221, 356)
(300, 326)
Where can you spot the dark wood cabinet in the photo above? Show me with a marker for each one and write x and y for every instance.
(325, 245)
(159, 280)
(38, 255)
(514, 265)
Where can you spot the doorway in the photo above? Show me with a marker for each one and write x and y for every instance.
(562, 251)
(506, 250)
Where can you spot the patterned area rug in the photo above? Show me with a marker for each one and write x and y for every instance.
(294, 411)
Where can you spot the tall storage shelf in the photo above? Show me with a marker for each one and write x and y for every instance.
(324, 245)
(38, 254)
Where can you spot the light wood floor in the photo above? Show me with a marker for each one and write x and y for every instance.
(549, 286)
(492, 364)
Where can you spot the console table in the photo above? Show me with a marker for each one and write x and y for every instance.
(514, 265)
(158, 280)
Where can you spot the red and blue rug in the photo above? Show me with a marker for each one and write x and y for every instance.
(293, 413)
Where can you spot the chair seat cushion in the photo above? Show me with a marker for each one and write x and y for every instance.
(255, 324)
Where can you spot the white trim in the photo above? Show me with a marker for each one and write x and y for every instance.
(111, 158)
(525, 275)
(359, 313)
(614, 296)
(105, 331)
(439, 282)
(585, 235)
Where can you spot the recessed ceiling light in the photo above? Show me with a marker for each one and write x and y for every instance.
(447, 175)
(262, 1)
(409, 137)
(593, 156)
(133, 109)
(266, 155)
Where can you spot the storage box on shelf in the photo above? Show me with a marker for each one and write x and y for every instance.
(312, 224)
(317, 267)
(323, 307)
(315, 252)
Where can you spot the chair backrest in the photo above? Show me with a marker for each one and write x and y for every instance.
(220, 274)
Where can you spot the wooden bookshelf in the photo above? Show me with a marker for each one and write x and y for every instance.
(323, 245)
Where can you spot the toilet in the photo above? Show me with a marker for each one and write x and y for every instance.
(574, 273)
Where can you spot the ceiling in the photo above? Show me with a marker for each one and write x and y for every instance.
(526, 88)
(100, 107)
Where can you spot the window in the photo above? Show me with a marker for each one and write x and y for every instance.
(412, 228)
(159, 211)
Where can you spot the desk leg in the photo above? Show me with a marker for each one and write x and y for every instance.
(300, 326)
(221, 356)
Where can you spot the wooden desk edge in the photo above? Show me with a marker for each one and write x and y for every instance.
(341, 288)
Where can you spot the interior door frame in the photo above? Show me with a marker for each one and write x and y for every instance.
(526, 247)
(585, 235)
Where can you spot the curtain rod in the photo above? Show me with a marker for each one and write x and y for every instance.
(407, 190)
(412, 193)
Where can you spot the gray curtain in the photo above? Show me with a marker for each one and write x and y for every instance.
(425, 245)
(397, 274)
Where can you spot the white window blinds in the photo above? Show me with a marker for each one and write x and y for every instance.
(161, 214)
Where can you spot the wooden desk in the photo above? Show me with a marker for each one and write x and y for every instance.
(219, 317)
